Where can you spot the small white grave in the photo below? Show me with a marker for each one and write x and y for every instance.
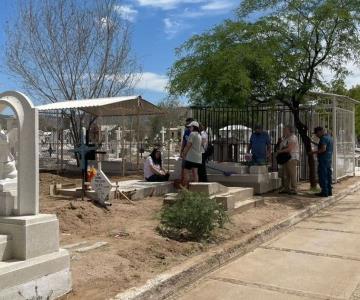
(102, 186)
(31, 263)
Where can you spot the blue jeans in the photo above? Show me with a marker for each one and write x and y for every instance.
(258, 161)
(325, 177)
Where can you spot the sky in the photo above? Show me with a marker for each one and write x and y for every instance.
(158, 28)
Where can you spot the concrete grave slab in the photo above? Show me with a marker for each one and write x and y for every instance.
(221, 290)
(258, 169)
(31, 235)
(209, 188)
(296, 272)
(17, 273)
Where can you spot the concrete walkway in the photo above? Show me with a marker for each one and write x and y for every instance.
(318, 259)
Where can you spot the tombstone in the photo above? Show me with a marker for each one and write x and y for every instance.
(102, 186)
(31, 263)
(163, 131)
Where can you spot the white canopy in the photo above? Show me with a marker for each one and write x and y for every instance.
(235, 127)
(107, 107)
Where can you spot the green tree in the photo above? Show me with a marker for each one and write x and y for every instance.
(280, 57)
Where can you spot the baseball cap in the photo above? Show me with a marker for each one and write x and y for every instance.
(194, 123)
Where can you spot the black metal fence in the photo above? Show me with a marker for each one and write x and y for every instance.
(230, 129)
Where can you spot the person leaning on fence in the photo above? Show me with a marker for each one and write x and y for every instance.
(324, 154)
(153, 170)
(192, 154)
(288, 157)
(260, 146)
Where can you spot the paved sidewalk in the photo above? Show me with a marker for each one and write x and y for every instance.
(318, 259)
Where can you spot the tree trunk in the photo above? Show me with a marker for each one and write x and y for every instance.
(302, 129)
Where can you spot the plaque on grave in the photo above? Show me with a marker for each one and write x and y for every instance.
(102, 186)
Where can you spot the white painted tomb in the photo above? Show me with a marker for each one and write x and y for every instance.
(31, 262)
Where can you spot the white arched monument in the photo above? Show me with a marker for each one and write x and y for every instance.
(31, 263)
(27, 202)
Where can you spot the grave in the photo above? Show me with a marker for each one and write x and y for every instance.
(238, 175)
(31, 263)
(233, 199)
(133, 189)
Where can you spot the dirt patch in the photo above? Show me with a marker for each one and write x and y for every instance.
(135, 251)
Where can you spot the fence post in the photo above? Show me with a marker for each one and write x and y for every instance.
(334, 132)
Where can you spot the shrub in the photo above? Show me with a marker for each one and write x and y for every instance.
(192, 214)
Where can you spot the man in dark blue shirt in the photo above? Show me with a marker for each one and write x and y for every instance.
(260, 146)
(324, 153)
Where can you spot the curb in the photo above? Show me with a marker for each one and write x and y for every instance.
(166, 284)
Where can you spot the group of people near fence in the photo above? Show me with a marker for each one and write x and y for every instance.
(195, 151)
(287, 154)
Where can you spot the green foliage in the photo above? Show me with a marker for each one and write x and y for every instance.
(193, 214)
(279, 57)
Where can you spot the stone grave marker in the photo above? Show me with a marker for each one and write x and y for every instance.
(102, 186)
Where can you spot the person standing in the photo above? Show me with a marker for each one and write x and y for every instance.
(324, 154)
(204, 144)
(192, 154)
(260, 146)
(183, 145)
(289, 145)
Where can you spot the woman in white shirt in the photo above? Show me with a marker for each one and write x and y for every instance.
(192, 154)
(153, 170)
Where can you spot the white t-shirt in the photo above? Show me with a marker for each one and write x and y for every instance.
(295, 153)
(204, 140)
(148, 172)
(195, 152)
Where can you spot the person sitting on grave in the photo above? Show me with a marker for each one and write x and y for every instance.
(153, 170)
(260, 146)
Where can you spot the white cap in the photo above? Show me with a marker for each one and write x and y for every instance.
(193, 123)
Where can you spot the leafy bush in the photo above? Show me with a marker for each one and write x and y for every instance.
(193, 214)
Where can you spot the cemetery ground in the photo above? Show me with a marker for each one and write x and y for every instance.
(133, 250)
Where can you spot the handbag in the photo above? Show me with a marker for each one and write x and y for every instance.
(283, 157)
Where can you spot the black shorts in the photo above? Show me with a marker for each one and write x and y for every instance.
(188, 165)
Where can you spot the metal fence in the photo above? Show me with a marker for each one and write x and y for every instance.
(230, 129)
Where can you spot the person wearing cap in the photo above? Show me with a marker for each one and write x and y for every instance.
(324, 154)
(192, 154)
(260, 146)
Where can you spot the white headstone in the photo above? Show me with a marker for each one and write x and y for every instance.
(102, 186)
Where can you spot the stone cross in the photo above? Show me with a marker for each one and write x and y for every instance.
(163, 131)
